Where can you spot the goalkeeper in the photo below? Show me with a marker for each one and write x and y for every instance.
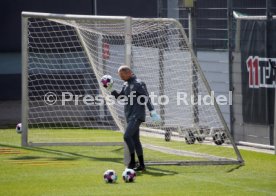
(135, 113)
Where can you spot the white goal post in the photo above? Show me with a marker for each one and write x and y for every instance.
(63, 103)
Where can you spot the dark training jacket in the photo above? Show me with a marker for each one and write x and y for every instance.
(135, 110)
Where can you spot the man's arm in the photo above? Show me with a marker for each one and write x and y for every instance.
(141, 89)
(116, 94)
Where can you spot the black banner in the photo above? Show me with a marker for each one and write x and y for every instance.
(258, 72)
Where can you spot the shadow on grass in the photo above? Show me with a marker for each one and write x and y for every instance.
(118, 150)
(157, 172)
(26, 158)
(75, 156)
(64, 158)
(63, 155)
(234, 168)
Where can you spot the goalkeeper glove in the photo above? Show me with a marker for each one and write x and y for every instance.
(109, 87)
(155, 117)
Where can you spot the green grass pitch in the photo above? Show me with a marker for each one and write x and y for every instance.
(79, 171)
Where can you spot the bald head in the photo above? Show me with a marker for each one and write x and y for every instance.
(124, 68)
(125, 72)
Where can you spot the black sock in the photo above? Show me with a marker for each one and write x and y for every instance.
(132, 158)
(141, 160)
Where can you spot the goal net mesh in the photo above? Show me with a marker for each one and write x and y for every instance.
(66, 103)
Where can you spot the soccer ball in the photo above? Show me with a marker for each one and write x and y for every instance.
(107, 81)
(129, 175)
(110, 176)
(18, 128)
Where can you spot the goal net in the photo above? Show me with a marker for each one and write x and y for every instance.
(63, 103)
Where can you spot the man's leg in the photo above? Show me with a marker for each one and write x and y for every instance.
(132, 128)
(126, 155)
(126, 151)
(139, 151)
(137, 143)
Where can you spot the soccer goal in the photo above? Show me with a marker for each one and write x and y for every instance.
(63, 103)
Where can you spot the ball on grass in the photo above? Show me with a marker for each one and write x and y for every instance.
(110, 176)
(18, 128)
(129, 175)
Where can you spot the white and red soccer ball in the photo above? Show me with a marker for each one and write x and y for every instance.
(107, 81)
(110, 176)
(18, 128)
(129, 175)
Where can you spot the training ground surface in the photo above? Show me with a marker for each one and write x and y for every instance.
(79, 171)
